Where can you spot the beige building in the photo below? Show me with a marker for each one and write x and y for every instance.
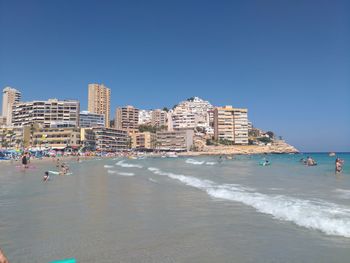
(181, 140)
(105, 139)
(10, 96)
(127, 118)
(49, 114)
(143, 140)
(14, 137)
(159, 118)
(99, 101)
(231, 124)
(57, 138)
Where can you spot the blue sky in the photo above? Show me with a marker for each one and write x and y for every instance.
(287, 61)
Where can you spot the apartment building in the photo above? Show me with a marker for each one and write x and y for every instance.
(191, 113)
(50, 113)
(181, 140)
(159, 118)
(127, 118)
(143, 140)
(57, 138)
(145, 117)
(14, 137)
(99, 101)
(105, 139)
(88, 119)
(10, 96)
(231, 124)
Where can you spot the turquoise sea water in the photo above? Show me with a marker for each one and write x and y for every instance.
(178, 210)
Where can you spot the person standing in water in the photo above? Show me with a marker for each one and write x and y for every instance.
(24, 160)
(338, 165)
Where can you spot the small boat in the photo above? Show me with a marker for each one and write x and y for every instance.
(331, 154)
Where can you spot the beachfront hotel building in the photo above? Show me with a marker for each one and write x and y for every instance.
(181, 140)
(88, 119)
(14, 137)
(105, 139)
(99, 101)
(143, 140)
(231, 124)
(127, 118)
(56, 138)
(10, 96)
(48, 114)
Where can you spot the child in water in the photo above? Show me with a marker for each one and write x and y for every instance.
(46, 176)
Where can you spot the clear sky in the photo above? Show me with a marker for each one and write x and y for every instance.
(288, 62)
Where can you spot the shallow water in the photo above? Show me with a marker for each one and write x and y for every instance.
(178, 210)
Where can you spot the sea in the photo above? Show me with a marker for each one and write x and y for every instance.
(185, 209)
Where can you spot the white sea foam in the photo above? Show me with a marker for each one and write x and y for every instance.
(152, 180)
(126, 174)
(343, 193)
(108, 166)
(329, 218)
(192, 161)
(128, 165)
(210, 163)
(111, 171)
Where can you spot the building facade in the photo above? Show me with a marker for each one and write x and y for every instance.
(99, 101)
(143, 140)
(50, 113)
(127, 118)
(57, 138)
(14, 137)
(159, 118)
(10, 96)
(231, 124)
(191, 113)
(181, 140)
(145, 117)
(88, 119)
(105, 139)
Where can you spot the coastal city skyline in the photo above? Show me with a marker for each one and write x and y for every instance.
(174, 131)
(292, 77)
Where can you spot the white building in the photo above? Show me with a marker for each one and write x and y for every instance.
(145, 117)
(49, 114)
(10, 96)
(191, 113)
(88, 119)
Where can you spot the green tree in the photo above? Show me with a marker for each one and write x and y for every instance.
(270, 134)
(264, 139)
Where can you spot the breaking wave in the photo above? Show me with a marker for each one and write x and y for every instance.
(111, 171)
(192, 161)
(195, 162)
(126, 174)
(108, 166)
(128, 165)
(329, 218)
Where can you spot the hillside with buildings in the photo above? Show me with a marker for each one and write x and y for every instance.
(192, 125)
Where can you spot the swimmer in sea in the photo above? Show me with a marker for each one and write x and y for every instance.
(339, 165)
(46, 176)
